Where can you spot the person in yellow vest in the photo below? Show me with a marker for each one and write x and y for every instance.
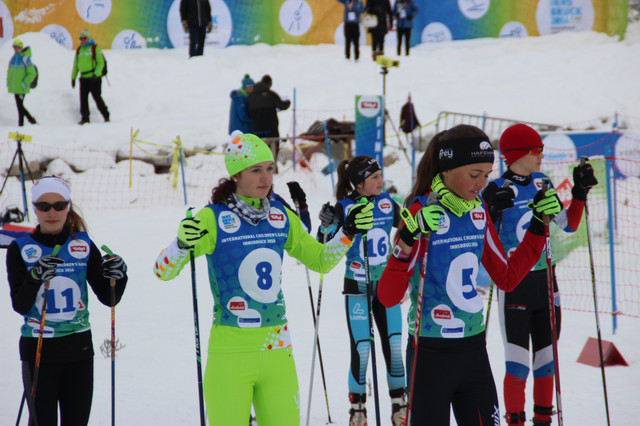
(89, 63)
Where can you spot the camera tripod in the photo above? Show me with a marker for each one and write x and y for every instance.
(22, 165)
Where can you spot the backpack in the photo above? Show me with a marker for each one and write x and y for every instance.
(105, 70)
(34, 83)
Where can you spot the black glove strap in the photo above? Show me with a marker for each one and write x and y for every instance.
(407, 236)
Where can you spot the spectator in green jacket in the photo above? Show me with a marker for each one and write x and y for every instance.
(89, 63)
(19, 77)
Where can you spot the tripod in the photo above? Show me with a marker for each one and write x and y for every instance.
(386, 117)
(22, 165)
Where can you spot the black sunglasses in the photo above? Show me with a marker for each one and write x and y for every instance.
(57, 206)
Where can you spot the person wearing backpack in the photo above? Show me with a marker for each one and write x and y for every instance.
(20, 75)
(89, 62)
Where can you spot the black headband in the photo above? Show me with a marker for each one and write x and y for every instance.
(358, 173)
(454, 153)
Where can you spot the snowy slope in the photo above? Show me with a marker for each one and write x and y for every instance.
(565, 78)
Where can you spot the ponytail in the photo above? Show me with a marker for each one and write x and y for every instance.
(343, 187)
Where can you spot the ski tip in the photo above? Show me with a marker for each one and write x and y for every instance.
(56, 249)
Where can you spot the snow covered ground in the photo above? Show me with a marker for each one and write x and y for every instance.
(565, 78)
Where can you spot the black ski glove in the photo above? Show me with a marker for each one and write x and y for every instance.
(546, 202)
(498, 199)
(583, 180)
(327, 214)
(113, 267)
(45, 268)
(297, 195)
(359, 220)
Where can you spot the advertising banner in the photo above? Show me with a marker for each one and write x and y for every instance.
(369, 127)
(136, 24)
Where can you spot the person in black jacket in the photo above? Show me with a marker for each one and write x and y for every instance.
(49, 288)
(196, 20)
(263, 105)
(382, 10)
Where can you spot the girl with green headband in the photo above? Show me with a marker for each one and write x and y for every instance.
(244, 235)
(452, 369)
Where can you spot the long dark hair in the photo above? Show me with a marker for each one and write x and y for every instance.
(344, 187)
(225, 188)
(428, 167)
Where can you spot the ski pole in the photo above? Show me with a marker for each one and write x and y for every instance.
(431, 199)
(505, 184)
(112, 284)
(552, 312)
(583, 160)
(24, 397)
(316, 339)
(374, 367)
(56, 249)
(196, 324)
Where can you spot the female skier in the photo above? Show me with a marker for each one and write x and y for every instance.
(64, 375)
(362, 178)
(244, 235)
(525, 311)
(452, 365)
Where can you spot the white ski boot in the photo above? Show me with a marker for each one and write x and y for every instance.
(358, 415)
(358, 412)
(398, 411)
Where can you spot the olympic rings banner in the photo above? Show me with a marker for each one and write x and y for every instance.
(135, 24)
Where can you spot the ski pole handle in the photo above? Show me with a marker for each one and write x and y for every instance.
(107, 250)
(189, 214)
(546, 183)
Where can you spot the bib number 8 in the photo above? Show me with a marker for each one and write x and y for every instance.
(263, 270)
(259, 274)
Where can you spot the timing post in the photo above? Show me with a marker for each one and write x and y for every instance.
(385, 63)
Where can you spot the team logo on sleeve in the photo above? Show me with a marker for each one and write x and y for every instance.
(277, 218)
(31, 253)
(228, 222)
(79, 249)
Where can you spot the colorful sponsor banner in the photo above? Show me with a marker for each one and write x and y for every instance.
(369, 126)
(156, 23)
(463, 19)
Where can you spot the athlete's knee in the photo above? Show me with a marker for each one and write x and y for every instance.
(517, 370)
